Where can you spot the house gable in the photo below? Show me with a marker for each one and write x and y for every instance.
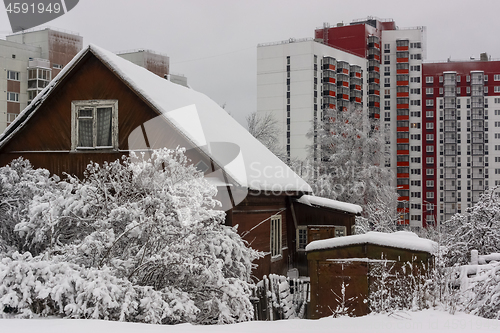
(46, 138)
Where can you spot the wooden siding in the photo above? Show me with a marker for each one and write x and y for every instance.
(253, 217)
(327, 276)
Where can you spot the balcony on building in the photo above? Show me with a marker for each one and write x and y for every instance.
(374, 77)
(343, 67)
(402, 44)
(373, 42)
(402, 56)
(329, 63)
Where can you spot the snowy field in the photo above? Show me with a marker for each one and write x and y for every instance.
(423, 321)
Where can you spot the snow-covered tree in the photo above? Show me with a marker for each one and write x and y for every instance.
(19, 183)
(152, 222)
(477, 229)
(349, 165)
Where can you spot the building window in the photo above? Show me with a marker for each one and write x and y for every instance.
(301, 237)
(429, 137)
(276, 237)
(429, 91)
(429, 149)
(340, 231)
(430, 172)
(12, 75)
(429, 79)
(429, 126)
(11, 117)
(429, 160)
(429, 114)
(497, 89)
(12, 96)
(94, 124)
(430, 195)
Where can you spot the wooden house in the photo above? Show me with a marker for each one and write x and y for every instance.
(101, 107)
(344, 271)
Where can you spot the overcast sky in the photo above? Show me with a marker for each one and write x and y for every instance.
(214, 42)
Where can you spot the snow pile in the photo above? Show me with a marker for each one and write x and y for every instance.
(311, 200)
(398, 322)
(400, 239)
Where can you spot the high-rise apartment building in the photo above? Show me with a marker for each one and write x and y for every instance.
(297, 79)
(461, 121)
(390, 59)
(29, 61)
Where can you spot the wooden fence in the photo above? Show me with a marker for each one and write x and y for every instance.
(278, 297)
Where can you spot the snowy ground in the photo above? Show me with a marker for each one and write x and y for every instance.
(407, 322)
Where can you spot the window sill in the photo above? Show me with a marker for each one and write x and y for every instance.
(276, 258)
(96, 149)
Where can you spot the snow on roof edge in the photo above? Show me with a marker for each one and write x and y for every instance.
(311, 200)
(400, 239)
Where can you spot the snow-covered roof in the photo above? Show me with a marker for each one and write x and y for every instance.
(312, 200)
(197, 117)
(400, 239)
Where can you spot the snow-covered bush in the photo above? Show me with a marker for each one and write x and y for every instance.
(395, 286)
(477, 229)
(153, 223)
(483, 296)
(35, 287)
(19, 183)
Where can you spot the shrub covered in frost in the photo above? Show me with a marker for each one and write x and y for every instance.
(19, 183)
(477, 229)
(33, 286)
(152, 223)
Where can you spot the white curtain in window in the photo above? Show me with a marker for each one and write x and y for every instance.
(104, 127)
(85, 132)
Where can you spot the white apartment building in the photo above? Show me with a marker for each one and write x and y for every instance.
(295, 78)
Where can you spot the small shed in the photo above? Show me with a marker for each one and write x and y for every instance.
(343, 269)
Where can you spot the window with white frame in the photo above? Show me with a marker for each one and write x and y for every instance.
(276, 237)
(497, 89)
(429, 137)
(340, 231)
(429, 149)
(430, 195)
(429, 183)
(94, 124)
(429, 91)
(301, 237)
(429, 172)
(429, 160)
(13, 75)
(429, 79)
(429, 126)
(496, 77)
(12, 96)
(429, 114)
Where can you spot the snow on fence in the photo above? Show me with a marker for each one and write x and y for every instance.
(479, 284)
(279, 297)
